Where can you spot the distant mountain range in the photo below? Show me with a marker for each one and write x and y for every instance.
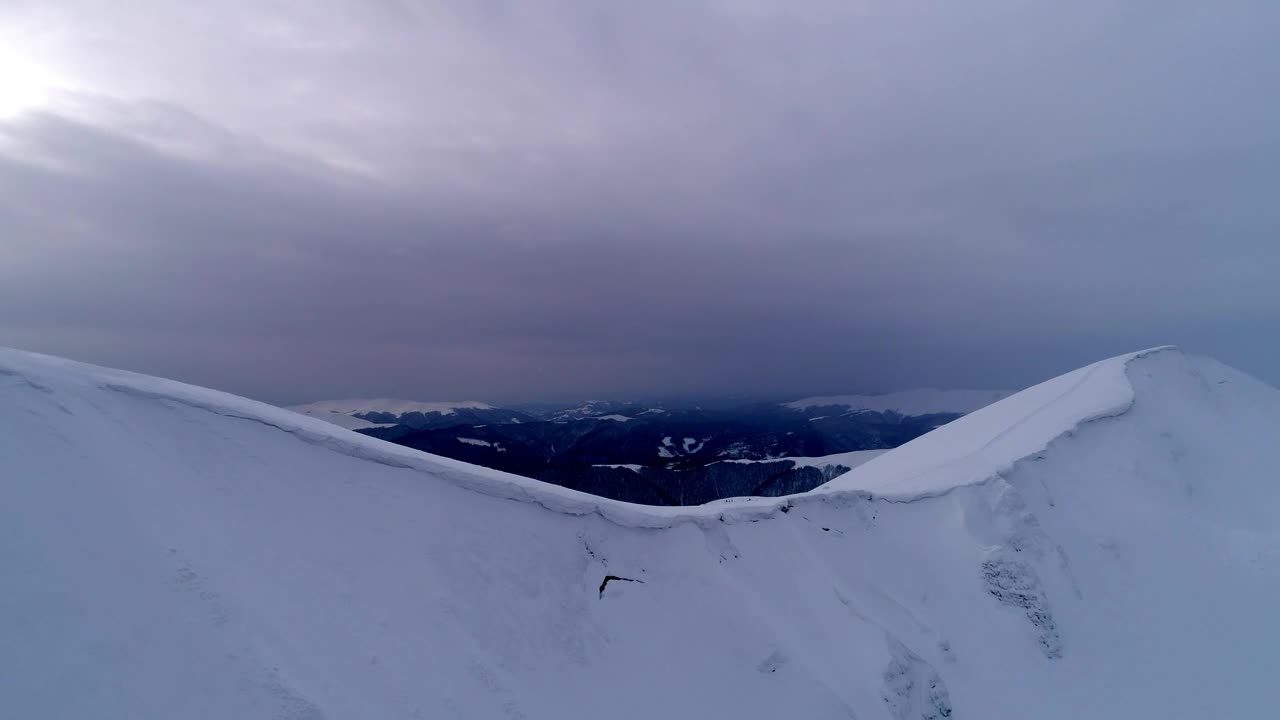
(616, 410)
(661, 455)
(362, 414)
(910, 402)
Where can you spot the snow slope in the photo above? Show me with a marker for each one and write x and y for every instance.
(908, 402)
(1104, 545)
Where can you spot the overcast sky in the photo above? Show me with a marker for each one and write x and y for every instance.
(508, 200)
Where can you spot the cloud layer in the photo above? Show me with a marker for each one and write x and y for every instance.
(481, 199)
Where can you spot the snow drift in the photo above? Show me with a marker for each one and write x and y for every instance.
(1103, 545)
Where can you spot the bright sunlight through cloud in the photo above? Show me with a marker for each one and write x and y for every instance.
(25, 84)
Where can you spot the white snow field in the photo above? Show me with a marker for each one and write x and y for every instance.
(1103, 545)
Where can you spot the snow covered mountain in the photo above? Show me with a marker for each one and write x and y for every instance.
(363, 414)
(618, 410)
(1103, 545)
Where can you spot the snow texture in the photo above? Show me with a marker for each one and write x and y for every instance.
(1103, 545)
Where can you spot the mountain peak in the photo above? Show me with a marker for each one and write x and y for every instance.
(1100, 545)
(990, 439)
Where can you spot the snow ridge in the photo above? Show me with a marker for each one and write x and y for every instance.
(990, 441)
(972, 449)
(1102, 545)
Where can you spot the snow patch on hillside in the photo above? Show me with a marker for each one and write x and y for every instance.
(481, 443)
(693, 445)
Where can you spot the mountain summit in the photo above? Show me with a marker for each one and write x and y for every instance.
(1103, 545)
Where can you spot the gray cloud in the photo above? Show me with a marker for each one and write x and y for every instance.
(296, 200)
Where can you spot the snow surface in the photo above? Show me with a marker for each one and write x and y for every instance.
(693, 445)
(385, 405)
(909, 402)
(992, 438)
(481, 443)
(1104, 545)
(615, 418)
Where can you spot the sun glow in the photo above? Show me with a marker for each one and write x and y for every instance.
(25, 84)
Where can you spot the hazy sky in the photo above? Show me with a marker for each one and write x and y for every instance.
(510, 200)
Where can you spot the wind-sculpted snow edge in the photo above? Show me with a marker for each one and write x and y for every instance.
(992, 441)
(1010, 431)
